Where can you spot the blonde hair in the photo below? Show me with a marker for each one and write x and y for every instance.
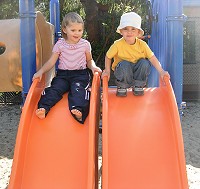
(71, 17)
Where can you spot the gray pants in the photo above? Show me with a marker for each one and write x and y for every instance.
(128, 74)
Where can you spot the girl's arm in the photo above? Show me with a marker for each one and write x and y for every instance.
(91, 64)
(46, 67)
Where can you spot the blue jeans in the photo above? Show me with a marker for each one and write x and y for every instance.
(76, 82)
(129, 74)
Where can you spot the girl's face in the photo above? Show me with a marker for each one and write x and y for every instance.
(129, 33)
(74, 32)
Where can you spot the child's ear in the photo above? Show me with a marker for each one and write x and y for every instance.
(140, 33)
(64, 30)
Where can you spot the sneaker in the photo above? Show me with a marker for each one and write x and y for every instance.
(138, 91)
(121, 91)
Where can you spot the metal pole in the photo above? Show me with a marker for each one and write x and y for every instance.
(158, 41)
(175, 20)
(55, 17)
(27, 40)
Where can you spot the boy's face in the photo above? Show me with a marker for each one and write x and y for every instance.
(129, 33)
(74, 32)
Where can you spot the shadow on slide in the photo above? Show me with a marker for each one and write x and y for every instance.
(142, 140)
(57, 152)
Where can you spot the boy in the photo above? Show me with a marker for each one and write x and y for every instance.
(132, 57)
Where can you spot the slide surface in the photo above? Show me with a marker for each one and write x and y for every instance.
(142, 140)
(57, 152)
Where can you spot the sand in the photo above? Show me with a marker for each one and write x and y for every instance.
(9, 119)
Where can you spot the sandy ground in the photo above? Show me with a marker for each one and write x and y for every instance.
(9, 119)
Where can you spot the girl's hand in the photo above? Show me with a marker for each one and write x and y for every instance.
(96, 69)
(37, 75)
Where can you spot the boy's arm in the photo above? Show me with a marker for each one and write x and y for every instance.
(158, 67)
(106, 72)
(46, 67)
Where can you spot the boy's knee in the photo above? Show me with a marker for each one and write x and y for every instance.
(145, 63)
(124, 65)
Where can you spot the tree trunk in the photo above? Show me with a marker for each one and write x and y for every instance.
(91, 20)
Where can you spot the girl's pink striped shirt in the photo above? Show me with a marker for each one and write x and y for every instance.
(72, 56)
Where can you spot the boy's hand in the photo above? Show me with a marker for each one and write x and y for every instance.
(105, 73)
(164, 73)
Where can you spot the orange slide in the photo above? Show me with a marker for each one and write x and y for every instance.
(142, 140)
(57, 152)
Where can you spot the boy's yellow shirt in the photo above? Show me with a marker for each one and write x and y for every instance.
(121, 50)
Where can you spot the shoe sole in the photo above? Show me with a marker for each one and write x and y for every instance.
(138, 94)
(121, 95)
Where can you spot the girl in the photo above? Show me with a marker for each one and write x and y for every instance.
(74, 54)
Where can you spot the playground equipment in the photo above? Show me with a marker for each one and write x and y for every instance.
(142, 139)
(11, 63)
(57, 152)
(2, 48)
(10, 72)
(167, 43)
(65, 156)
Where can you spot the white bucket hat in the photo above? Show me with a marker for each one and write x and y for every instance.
(130, 19)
